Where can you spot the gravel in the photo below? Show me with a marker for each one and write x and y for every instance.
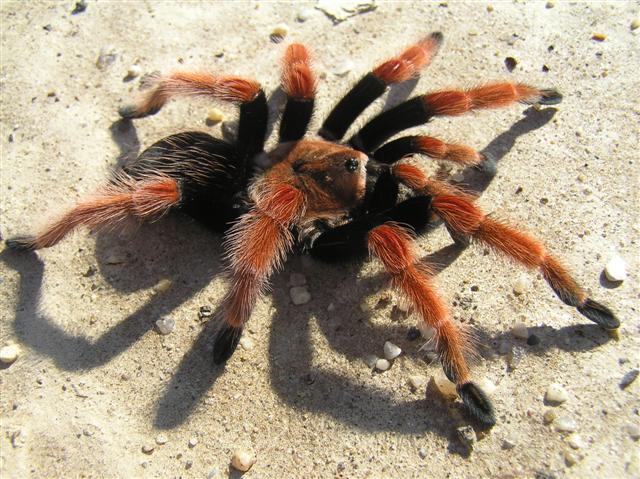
(382, 365)
(161, 439)
(565, 424)
(9, 353)
(629, 378)
(300, 295)
(520, 331)
(521, 285)
(391, 351)
(633, 430)
(556, 394)
(193, 442)
(417, 382)
(243, 460)
(616, 269)
(165, 326)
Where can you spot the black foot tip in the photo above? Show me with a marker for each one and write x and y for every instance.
(21, 243)
(438, 37)
(225, 344)
(599, 314)
(489, 165)
(478, 404)
(550, 97)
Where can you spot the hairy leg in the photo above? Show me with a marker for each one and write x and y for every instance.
(299, 84)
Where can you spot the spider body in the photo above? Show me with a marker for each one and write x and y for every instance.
(337, 200)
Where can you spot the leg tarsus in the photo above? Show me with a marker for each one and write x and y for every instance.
(226, 343)
(550, 96)
(22, 243)
(478, 404)
(599, 314)
(130, 112)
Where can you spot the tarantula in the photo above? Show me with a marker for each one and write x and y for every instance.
(336, 199)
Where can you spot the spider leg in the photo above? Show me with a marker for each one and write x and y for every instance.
(392, 244)
(253, 104)
(421, 109)
(299, 83)
(266, 224)
(465, 219)
(124, 198)
(431, 147)
(374, 84)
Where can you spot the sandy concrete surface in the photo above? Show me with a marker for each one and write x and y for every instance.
(95, 382)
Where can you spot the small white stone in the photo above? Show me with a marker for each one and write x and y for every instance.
(556, 394)
(243, 459)
(509, 443)
(165, 325)
(297, 279)
(193, 442)
(343, 68)
(520, 330)
(422, 453)
(575, 441)
(521, 285)
(163, 286)
(331, 307)
(147, 448)
(9, 353)
(633, 430)
(300, 295)
(444, 386)
(391, 351)
(616, 269)
(382, 364)
(304, 15)
(371, 360)
(565, 424)
(247, 343)
(426, 331)
(487, 386)
(134, 71)
(417, 382)
(161, 439)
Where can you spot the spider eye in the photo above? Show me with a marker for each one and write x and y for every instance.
(351, 165)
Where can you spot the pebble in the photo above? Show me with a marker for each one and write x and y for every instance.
(279, 32)
(444, 386)
(510, 63)
(575, 441)
(508, 443)
(616, 269)
(391, 351)
(243, 459)
(489, 8)
(633, 430)
(163, 286)
(161, 439)
(514, 356)
(521, 285)
(300, 295)
(550, 4)
(297, 279)
(565, 424)
(422, 453)
(106, 57)
(147, 448)
(635, 24)
(80, 7)
(214, 116)
(193, 442)
(628, 378)
(417, 382)
(134, 71)
(304, 15)
(382, 364)
(343, 68)
(556, 394)
(371, 360)
(165, 325)
(549, 416)
(467, 436)
(520, 330)
(570, 459)
(331, 307)
(247, 343)
(599, 37)
(9, 353)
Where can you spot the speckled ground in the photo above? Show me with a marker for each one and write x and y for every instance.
(95, 381)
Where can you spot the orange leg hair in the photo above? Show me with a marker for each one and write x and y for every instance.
(183, 83)
(257, 245)
(393, 245)
(409, 63)
(124, 198)
(492, 95)
(463, 217)
(298, 80)
(432, 147)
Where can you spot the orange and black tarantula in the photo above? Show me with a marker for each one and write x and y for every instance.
(336, 199)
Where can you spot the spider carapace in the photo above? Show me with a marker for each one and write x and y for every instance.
(337, 199)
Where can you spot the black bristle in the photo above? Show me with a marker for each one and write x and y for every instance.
(226, 343)
(21, 243)
(478, 404)
(599, 314)
(550, 97)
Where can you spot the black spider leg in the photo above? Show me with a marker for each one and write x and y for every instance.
(252, 129)
(295, 118)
